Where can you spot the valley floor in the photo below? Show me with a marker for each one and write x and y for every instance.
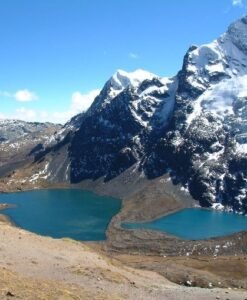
(35, 267)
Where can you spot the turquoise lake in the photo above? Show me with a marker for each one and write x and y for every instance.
(75, 214)
(85, 216)
(195, 224)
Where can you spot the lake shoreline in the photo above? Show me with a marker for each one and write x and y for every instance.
(4, 219)
(4, 206)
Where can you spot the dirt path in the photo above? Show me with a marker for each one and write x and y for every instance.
(74, 271)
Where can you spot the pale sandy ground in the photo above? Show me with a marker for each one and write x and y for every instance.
(64, 269)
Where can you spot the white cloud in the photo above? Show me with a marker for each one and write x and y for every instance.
(79, 103)
(20, 96)
(27, 114)
(2, 116)
(133, 55)
(25, 96)
(35, 115)
(61, 117)
(237, 2)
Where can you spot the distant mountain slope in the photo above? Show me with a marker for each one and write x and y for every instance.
(20, 141)
(11, 130)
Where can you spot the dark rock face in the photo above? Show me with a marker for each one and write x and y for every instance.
(114, 133)
(38, 148)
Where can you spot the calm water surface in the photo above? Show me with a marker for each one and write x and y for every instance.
(76, 214)
(195, 224)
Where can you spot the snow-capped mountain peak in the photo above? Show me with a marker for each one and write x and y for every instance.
(224, 58)
(122, 79)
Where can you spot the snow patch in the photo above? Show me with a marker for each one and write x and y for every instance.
(220, 98)
(43, 174)
(218, 206)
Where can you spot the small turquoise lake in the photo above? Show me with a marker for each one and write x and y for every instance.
(71, 213)
(195, 224)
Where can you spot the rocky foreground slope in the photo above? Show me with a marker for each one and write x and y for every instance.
(65, 269)
(192, 126)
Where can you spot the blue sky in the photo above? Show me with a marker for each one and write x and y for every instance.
(56, 54)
